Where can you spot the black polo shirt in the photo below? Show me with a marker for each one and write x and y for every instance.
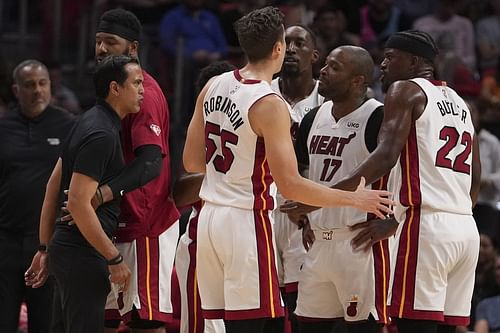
(93, 148)
(29, 149)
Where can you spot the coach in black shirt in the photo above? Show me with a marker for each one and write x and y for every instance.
(31, 137)
(82, 256)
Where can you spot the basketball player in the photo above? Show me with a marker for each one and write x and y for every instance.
(427, 134)
(186, 192)
(298, 87)
(239, 134)
(335, 281)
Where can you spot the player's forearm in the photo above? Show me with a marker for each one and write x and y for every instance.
(145, 167)
(308, 192)
(187, 189)
(193, 164)
(90, 227)
(372, 169)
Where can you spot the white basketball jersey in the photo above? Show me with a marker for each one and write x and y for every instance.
(434, 169)
(335, 149)
(237, 172)
(299, 109)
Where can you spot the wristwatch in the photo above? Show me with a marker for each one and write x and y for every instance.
(43, 248)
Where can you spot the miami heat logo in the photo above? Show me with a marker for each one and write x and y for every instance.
(352, 308)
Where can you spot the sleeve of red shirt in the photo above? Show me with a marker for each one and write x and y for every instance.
(150, 126)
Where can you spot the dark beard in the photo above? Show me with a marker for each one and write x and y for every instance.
(290, 71)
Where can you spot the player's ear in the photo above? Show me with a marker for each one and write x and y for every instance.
(133, 49)
(278, 48)
(414, 62)
(315, 56)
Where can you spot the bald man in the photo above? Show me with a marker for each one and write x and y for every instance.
(335, 281)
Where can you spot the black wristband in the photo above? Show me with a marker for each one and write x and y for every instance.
(115, 261)
(43, 248)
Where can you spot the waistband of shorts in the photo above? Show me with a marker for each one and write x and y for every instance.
(333, 234)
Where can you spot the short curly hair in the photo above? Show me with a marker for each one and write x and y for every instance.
(258, 31)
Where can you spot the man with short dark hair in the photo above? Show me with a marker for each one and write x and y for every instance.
(83, 258)
(32, 135)
(148, 229)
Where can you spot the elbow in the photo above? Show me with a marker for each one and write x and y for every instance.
(191, 165)
(73, 204)
(287, 188)
(388, 159)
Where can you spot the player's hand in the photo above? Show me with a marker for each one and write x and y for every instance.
(38, 272)
(95, 202)
(373, 201)
(372, 232)
(120, 275)
(307, 236)
(296, 210)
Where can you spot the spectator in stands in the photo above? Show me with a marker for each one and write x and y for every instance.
(487, 313)
(199, 32)
(229, 15)
(378, 20)
(485, 285)
(329, 26)
(6, 95)
(454, 34)
(488, 39)
(411, 10)
(490, 86)
(62, 96)
(485, 211)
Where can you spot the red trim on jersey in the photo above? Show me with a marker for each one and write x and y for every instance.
(409, 194)
(381, 266)
(148, 279)
(382, 274)
(112, 314)
(380, 184)
(438, 83)
(241, 79)
(270, 300)
(403, 289)
(456, 320)
(421, 315)
(403, 293)
(193, 222)
(261, 179)
(213, 314)
(291, 287)
(196, 323)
